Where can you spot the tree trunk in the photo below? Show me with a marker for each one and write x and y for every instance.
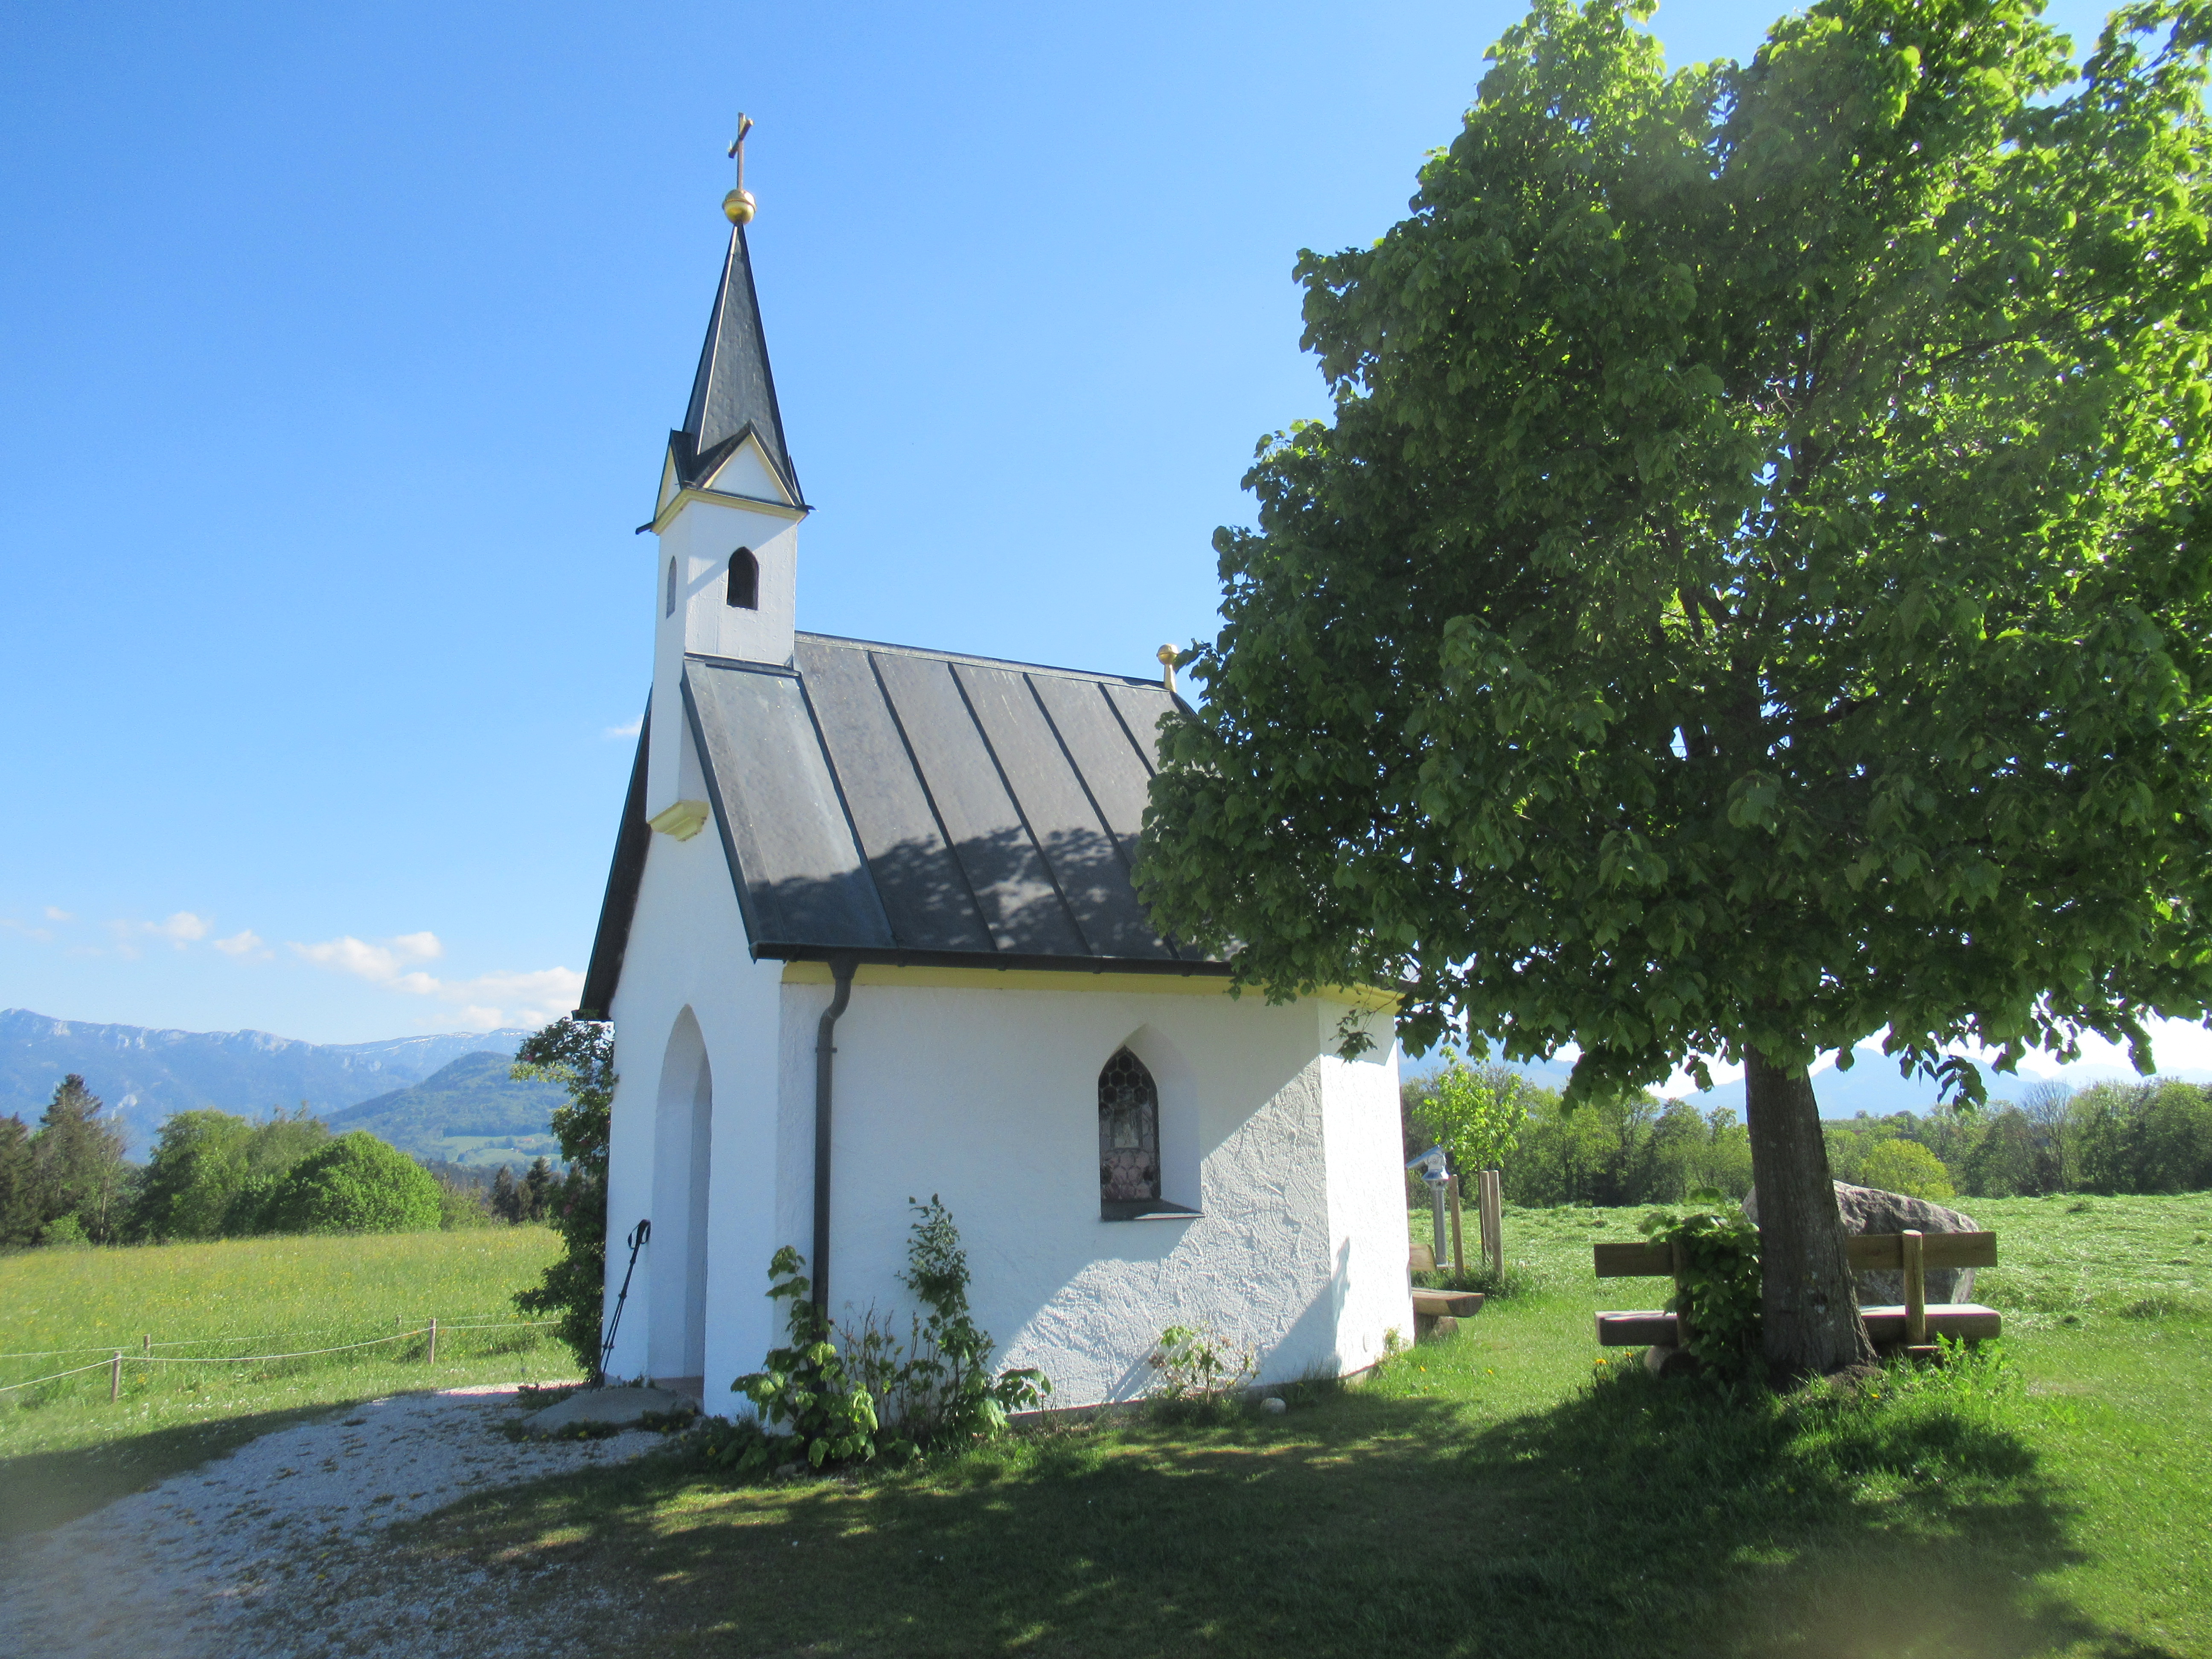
(1808, 1308)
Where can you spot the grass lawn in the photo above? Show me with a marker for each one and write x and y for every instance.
(1511, 1491)
(65, 1449)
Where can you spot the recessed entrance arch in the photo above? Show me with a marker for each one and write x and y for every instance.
(683, 1148)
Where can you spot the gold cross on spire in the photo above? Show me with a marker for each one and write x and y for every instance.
(738, 206)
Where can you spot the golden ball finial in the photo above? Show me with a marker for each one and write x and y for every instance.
(738, 207)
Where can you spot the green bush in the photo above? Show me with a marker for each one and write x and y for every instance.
(1719, 1293)
(356, 1184)
(1906, 1167)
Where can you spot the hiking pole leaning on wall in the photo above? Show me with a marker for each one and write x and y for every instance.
(638, 1235)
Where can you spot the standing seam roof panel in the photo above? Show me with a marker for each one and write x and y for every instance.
(924, 894)
(799, 874)
(1019, 899)
(1087, 867)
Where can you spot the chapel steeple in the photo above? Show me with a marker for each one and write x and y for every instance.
(733, 393)
(725, 577)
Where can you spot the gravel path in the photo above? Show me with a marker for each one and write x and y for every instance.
(270, 1552)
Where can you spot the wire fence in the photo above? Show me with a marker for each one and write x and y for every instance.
(119, 1357)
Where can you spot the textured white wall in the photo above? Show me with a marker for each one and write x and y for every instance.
(700, 539)
(989, 1098)
(687, 950)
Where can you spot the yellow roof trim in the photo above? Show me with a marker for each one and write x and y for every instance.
(934, 978)
(719, 498)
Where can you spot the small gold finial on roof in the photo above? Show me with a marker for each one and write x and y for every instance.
(738, 206)
(1169, 657)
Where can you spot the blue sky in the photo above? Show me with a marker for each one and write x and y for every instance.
(340, 347)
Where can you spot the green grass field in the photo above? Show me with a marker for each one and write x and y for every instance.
(65, 1449)
(1513, 1491)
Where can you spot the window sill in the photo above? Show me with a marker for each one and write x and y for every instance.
(1157, 1210)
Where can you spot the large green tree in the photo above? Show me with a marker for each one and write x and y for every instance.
(78, 1167)
(1748, 596)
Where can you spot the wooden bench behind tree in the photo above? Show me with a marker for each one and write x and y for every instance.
(1913, 1325)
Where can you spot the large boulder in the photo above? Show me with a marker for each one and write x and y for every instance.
(1870, 1209)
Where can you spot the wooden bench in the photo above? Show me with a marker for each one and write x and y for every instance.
(1438, 1313)
(1913, 1325)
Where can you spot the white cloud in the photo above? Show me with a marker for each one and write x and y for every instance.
(380, 964)
(180, 929)
(55, 913)
(506, 997)
(43, 935)
(242, 944)
(629, 730)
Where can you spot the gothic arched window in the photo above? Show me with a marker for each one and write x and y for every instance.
(1129, 1137)
(744, 580)
(672, 587)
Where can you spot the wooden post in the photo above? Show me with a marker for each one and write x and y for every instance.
(115, 1377)
(146, 1345)
(1459, 1249)
(431, 1358)
(1916, 1290)
(1491, 1210)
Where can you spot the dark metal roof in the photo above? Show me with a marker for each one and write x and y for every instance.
(918, 806)
(733, 391)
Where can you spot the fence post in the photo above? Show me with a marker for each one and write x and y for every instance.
(1459, 1249)
(431, 1358)
(146, 1345)
(1493, 1212)
(115, 1377)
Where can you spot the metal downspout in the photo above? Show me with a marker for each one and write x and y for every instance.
(841, 970)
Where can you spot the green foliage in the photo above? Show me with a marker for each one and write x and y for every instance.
(945, 1394)
(580, 1056)
(76, 1168)
(1748, 596)
(1718, 1290)
(807, 1402)
(210, 1173)
(1476, 1114)
(19, 1206)
(1198, 1371)
(1754, 549)
(851, 1394)
(1907, 1167)
(355, 1184)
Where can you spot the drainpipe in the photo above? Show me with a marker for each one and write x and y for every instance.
(841, 970)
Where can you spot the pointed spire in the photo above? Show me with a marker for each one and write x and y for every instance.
(733, 390)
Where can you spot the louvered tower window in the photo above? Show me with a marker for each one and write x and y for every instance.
(1129, 1137)
(744, 580)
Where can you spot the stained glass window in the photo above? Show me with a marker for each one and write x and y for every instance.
(1129, 1136)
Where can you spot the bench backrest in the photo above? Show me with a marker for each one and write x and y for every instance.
(1868, 1252)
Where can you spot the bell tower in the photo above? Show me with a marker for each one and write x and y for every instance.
(724, 578)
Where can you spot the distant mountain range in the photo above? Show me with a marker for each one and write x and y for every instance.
(144, 1075)
(468, 1111)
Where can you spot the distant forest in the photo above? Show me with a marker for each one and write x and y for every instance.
(215, 1175)
(2152, 1137)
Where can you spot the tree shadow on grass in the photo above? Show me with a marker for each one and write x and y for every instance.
(45, 1489)
(1655, 1518)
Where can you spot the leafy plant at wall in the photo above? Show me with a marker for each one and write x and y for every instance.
(580, 1056)
(1718, 1292)
(852, 1395)
(1199, 1370)
(804, 1392)
(945, 1389)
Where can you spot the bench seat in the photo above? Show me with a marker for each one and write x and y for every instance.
(1967, 1321)
(1456, 1304)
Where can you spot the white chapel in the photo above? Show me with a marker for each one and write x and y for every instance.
(870, 934)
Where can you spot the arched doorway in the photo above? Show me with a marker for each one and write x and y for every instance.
(683, 1148)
